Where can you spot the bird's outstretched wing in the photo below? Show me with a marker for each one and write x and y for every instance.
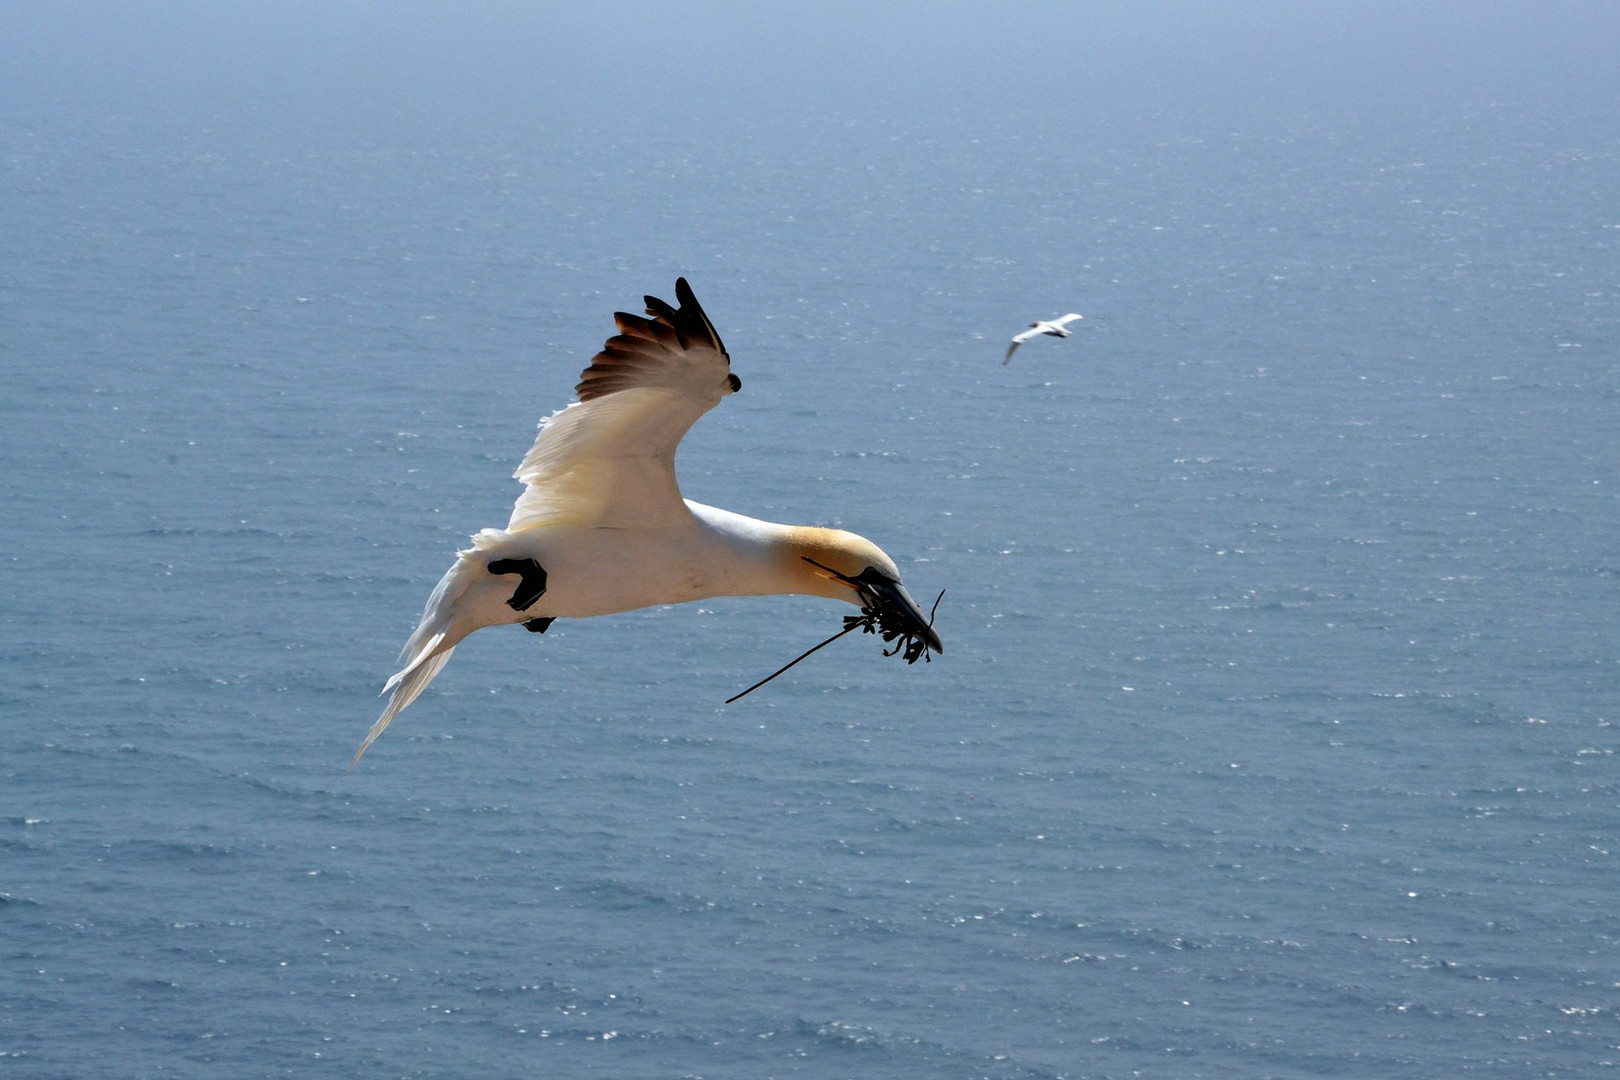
(608, 459)
(1067, 319)
(1019, 339)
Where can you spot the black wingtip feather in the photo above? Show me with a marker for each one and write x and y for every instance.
(614, 368)
(693, 314)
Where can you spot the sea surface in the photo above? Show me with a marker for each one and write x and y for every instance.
(1276, 730)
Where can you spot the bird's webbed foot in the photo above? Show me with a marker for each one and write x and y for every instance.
(538, 626)
(530, 589)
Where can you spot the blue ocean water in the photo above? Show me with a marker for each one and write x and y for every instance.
(1275, 735)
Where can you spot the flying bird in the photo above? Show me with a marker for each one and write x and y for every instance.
(1051, 327)
(601, 526)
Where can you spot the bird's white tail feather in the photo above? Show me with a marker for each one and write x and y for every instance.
(407, 685)
(442, 627)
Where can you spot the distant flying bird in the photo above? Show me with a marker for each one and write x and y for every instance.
(1053, 328)
(601, 526)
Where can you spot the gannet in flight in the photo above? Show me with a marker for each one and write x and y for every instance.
(1053, 327)
(601, 526)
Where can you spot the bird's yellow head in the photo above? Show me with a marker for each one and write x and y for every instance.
(848, 567)
(827, 559)
(844, 566)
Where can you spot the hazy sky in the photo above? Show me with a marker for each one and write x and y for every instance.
(1043, 59)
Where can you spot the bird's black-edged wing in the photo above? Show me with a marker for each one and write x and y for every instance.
(609, 458)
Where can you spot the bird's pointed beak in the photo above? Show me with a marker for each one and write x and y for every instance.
(888, 610)
(906, 611)
(898, 615)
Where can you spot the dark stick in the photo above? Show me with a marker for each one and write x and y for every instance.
(853, 626)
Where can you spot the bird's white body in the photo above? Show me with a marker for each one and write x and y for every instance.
(1050, 327)
(594, 570)
(601, 526)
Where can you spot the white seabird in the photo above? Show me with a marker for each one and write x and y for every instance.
(601, 526)
(1052, 327)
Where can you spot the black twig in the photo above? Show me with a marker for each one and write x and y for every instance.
(875, 618)
(801, 656)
